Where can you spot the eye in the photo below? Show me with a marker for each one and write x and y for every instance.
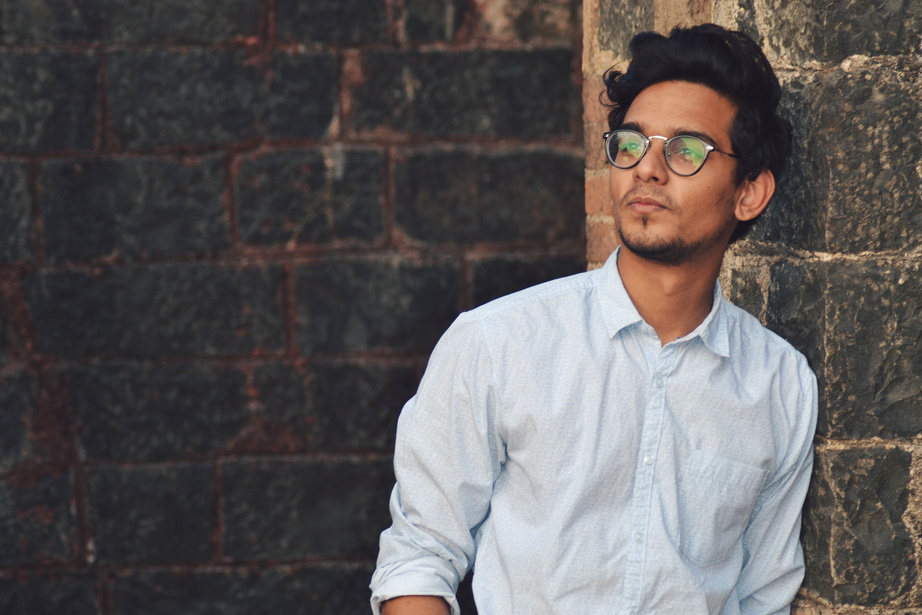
(688, 149)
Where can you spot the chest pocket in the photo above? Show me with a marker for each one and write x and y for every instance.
(716, 497)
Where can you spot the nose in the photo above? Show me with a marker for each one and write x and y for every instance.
(652, 167)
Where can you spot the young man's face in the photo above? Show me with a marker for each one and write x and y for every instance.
(668, 217)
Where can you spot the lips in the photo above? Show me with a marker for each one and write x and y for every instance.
(645, 205)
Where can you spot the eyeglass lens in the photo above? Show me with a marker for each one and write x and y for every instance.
(685, 155)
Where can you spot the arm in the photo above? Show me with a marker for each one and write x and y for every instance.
(415, 605)
(773, 565)
(446, 457)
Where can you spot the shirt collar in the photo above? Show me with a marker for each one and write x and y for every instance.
(618, 311)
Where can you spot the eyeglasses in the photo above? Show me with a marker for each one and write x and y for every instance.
(685, 154)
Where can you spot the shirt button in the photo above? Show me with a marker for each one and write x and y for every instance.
(658, 382)
(648, 460)
(638, 537)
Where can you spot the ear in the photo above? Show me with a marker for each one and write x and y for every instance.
(754, 195)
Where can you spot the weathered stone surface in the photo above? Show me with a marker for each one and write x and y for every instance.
(64, 593)
(527, 21)
(864, 493)
(620, 20)
(355, 305)
(283, 510)
(37, 523)
(805, 30)
(18, 405)
(48, 101)
(867, 120)
(16, 213)
(874, 358)
(340, 589)
(796, 215)
(204, 98)
(796, 306)
(151, 515)
(333, 21)
(527, 94)
(501, 275)
(133, 208)
(156, 311)
(149, 413)
(123, 21)
(311, 196)
(355, 406)
(465, 196)
(433, 20)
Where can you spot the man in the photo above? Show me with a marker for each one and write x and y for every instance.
(623, 441)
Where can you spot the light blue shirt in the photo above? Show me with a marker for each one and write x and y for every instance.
(583, 468)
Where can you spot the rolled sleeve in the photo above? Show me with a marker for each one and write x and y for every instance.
(446, 458)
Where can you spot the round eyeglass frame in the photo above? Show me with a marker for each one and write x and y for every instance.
(708, 148)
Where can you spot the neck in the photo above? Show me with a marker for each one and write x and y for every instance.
(673, 299)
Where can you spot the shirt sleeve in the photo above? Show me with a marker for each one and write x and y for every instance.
(446, 458)
(773, 565)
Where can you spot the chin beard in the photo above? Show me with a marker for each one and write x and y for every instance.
(673, 252)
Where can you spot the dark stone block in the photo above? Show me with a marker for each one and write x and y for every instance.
(864, 492)
(796, 306)
(816, 531)
(796, 30)
(346, 22)
(52, 22)
(874, 193)
(829, 32)
(355, 406)
(874, 359)
(151, 515)
(37, 524)
(796, 215)
(871, 27)
(527, 94)
(61, 593)
(299, 509)
(351, 305)
(18, 405)
(501, 275)
(48, 101)
(433, 20)
(156, 311)
(301, 99)
(745, 290)
(133, 208)
(146, 413)
(620, 20)
(206, 98)
(341, 589)
(16, 213)
(465, 196)
(311, 196)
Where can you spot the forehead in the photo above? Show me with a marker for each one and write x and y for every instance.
(674, 106)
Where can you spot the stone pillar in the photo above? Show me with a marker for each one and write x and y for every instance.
(833, 266)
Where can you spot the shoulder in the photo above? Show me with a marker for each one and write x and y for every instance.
(759, 348)
(531, 318)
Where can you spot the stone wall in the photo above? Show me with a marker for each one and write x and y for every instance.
(834, 266)
(231, 233)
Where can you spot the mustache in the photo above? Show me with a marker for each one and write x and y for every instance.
(644, 192)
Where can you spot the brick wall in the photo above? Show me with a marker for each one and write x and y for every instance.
(833, 267)
(231, 233)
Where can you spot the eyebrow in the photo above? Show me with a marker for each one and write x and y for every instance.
(680, 131)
